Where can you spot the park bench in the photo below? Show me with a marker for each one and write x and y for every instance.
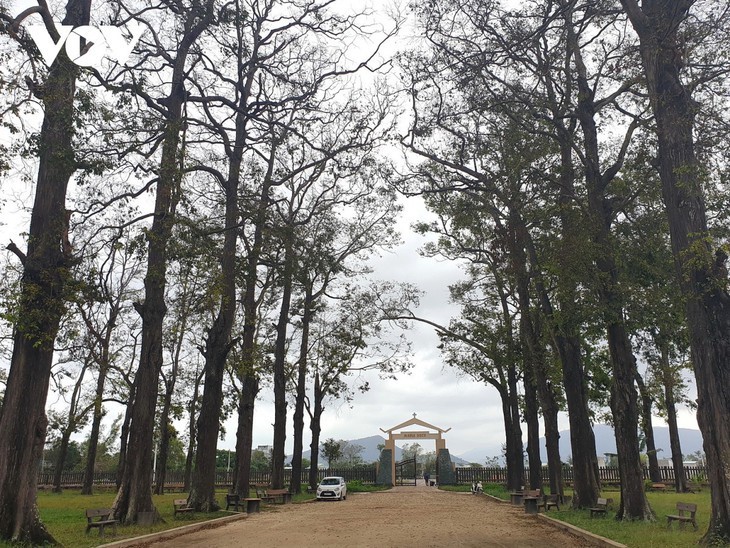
(180, 506)
(530, 498)
(549, 501)
(658, 487)
(282, 496)
(682, 517)
(601, 507)
(233, 499)
(100, 518)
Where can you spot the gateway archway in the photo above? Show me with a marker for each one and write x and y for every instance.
(444, 468)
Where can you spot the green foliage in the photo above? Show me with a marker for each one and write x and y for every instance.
(332, 450)
(357, 486)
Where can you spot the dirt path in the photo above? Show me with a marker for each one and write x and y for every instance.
(402, 517)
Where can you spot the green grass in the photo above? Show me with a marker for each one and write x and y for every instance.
(494, 489)
(64, 516)
(357, 486)
(641, 534)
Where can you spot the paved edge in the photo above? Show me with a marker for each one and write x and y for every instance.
(595, 539)
(169, 534)
(592, 537)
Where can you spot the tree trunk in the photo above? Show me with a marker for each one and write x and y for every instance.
(296, 460)
(244, 436)
(513, 435)
(586, 485)
(634, 505)
(135, 494)
(61, 460)
(23, 420)
(71, 425)
(87, 488)
(533, 432)
(202, 492)
(280, 404)
(218, 345)
(703, 278)
(165, 432)
(191, 435)
(646, 426)
(552, 445)
(248, 375)
(680, 477)
(535, 360)
(124, 434)
(315, 426)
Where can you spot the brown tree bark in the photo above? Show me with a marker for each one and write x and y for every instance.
(46, 265)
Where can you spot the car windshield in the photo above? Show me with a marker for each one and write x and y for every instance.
(331, 481)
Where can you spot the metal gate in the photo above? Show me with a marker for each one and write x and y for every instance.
(405, 472)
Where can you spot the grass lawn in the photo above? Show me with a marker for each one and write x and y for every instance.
(645, 535)
(65, 516)
(494, 489)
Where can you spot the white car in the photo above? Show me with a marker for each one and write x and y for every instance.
(332, 487)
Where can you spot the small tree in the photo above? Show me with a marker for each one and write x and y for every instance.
(332, 450)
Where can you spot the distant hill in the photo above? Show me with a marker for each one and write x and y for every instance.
(371, 453)
(690, 439)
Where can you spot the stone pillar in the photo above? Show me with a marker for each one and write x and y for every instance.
(444, 468)
(385, 469)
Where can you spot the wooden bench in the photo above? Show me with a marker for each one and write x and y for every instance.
(682, 517)
(233, 499)
(180, 506)
(100, 518)
(530, 498)
(658, 487)
(601, 507)
(549, 501)
(282, 496)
